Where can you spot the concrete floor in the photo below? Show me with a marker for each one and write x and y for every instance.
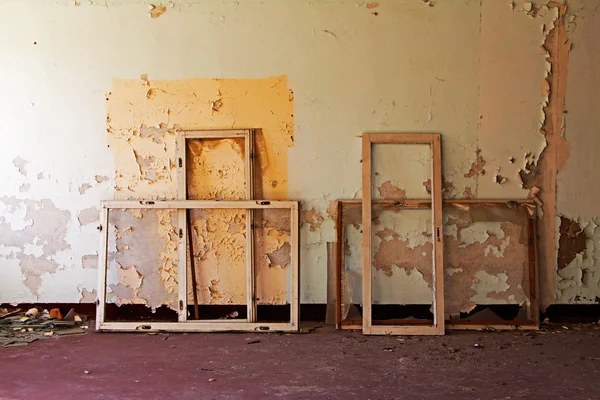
(556, 363)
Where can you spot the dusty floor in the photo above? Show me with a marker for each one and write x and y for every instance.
(558, 363)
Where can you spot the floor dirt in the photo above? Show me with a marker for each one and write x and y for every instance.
(553, 363)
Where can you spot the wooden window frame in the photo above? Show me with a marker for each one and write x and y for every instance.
(533, 321)
(248, 135)
(198, 325)
(433, 140)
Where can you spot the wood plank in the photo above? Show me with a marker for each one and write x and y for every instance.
(339, 251)
(295, 278)
(182, 265)
(534, 307)
(198, 204)
(438, 235)
(250, 268)
(216, 134)
(190, 242)
(198, 326)
(403, 138)
(495, 327)
(404, 330)
(102, 257)
(366, 220)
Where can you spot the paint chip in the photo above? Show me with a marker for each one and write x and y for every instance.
(89, 216)
(20, 163)
(372, 5)
(157, 11)
(101, 178)
(312, 217)
(477, 166)
(217, 104)
(390, 191)
(83, 188)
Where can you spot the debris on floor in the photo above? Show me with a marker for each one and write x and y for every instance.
(19, 328)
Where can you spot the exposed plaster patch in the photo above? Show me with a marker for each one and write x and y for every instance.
(89, 261)
(447, 187)
(42, 228)
(24, 187)
(311, 217)
(390, 191)
(157, 11)
(129, 277)
(332, 210)
(215, 169)
(452, 271)
(145, 240)
(280, 258)
(88, 216)
(499, 179)
(477, 166)
(485, 283)
(88, 296)
(99, 178)
(409, 287)
(220, 256)
(571, 242)
(467, 193)
(21, 164)
(497, 250)
(579, 281)
(479, 232)
(40, 176)
(84, 187)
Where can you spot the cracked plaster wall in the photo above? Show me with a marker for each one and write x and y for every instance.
(471, 70)
(577, 232)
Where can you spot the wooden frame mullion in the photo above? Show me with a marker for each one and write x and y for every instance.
(102, 258)
(434, 140)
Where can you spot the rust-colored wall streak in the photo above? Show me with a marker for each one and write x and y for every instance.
(552, 158)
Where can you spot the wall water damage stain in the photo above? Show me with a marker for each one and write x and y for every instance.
(143, 117)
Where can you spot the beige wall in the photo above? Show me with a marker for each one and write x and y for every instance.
(313, 75)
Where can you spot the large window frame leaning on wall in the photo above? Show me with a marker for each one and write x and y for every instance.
(434, 141)
(531, 323)
(204, 325)
(181, 148)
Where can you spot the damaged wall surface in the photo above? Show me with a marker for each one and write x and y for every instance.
(94, 115)
(578, 211)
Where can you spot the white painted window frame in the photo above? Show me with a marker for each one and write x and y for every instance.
(197, 325)
(248, 135)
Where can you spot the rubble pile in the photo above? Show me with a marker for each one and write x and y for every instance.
(19, 328)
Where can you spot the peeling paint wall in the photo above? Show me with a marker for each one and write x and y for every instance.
(578, 211)
(486, 259)
(94, 115)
